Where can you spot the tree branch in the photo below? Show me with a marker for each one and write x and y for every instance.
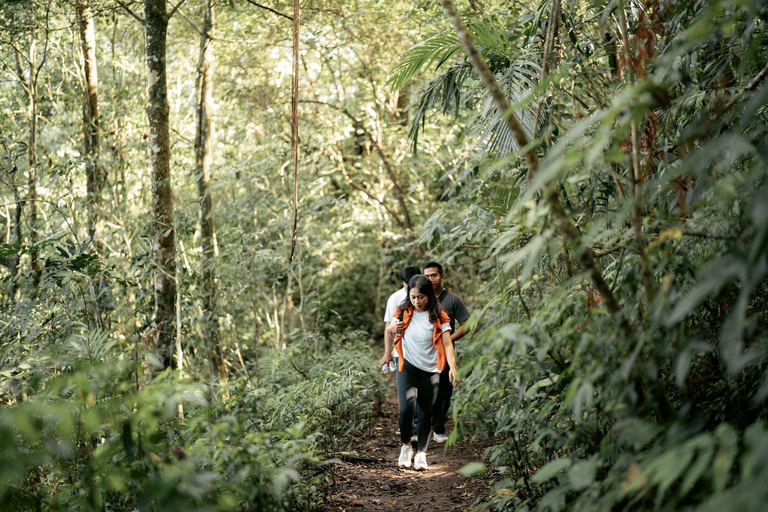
(520, 294)
(269, 9)
(45, 46)
(297, 368)
(173, 11)
(710, 236)
(372, 197)
(751, 85)
(194, 27)
(129, 11)
(20, 79)
(407, 224)
(552, 26)
(636, 174)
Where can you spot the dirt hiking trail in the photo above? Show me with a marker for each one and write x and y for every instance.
(369, 479)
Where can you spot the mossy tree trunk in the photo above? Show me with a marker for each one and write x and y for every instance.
(164, 256)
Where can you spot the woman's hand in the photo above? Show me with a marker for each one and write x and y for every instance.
(395, 328)
(387, 357)
(450, 356)
(453, 376)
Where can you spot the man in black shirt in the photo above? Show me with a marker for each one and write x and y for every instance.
(458, 314)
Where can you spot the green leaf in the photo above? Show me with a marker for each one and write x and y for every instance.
(728, 446)
(440, 48)
(551, 469)
(668, 467)
(583, 473)
(472, 469)
(713, 277)
(756, 452)
(699, 466)
(682, 367)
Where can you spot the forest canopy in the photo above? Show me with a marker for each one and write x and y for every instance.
(205, 206)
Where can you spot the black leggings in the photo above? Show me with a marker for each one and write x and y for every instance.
(443, 402)
(420, 387)
(401, 380)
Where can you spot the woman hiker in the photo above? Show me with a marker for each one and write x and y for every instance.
(422, 339)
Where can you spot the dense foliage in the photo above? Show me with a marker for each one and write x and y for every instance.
(94, 414)
(84, 436)
(652, 123)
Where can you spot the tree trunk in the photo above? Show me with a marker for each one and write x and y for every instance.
(93, 170)
(30, 88)
(13, 263)
(156, 24)
(203, 136)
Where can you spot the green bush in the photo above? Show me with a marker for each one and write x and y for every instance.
(88, 439)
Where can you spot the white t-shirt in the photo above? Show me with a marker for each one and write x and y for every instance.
(417, 342)
(393, 301)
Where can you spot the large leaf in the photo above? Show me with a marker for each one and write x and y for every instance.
(551, 469)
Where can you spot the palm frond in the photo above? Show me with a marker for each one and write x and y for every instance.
(445, 90)
(517, 83)
(491, 39)
(438, 48)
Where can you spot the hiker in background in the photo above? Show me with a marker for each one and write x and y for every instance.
(423, 343)
(458, 314)
(393, 301)
(391, 355)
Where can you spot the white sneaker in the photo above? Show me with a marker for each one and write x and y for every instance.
(406, 453)
(439, 438)
(414, 438)
(420, 462)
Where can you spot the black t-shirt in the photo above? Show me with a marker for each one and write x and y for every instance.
(455, 308)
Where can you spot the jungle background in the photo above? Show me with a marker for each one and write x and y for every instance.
(597, 194)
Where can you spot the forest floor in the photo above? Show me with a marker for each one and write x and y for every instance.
(369, 479)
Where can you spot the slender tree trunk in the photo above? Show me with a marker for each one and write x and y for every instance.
(13, 263)
(93, 170)
(400, 110)
(14, 223)
(34, 235)
(636, 174)
(203, 136)
(156, 24)
(30, 87)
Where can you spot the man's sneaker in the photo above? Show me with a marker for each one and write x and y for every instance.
(406, 453)
(415, 438)
(439, 438)
(420, 462)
